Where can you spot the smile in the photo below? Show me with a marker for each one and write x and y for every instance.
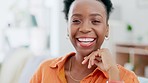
(86, 42)
(86, 39)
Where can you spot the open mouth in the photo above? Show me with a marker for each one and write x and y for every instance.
(86, 42)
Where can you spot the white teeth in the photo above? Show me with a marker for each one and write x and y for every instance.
(86, 39)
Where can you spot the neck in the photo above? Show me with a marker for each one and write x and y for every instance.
(75, 65)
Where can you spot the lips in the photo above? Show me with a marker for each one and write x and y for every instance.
(86, 41)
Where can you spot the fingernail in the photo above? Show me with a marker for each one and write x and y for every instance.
(82, 62)
(89, 67)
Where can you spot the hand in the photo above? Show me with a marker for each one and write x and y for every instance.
(103, 59)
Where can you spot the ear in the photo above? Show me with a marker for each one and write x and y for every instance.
(107, 31)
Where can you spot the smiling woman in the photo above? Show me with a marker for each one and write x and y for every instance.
(87, 21)
(87, 28)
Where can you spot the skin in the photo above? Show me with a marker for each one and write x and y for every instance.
(89, 20)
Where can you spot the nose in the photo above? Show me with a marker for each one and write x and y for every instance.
(85, 28)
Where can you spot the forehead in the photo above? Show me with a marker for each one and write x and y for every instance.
(87, 7)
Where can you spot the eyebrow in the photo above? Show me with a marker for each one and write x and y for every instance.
(78, 15)
(95, 14)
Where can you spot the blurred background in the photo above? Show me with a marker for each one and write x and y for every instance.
(34, 30)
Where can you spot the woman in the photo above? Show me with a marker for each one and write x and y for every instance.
(87, 29)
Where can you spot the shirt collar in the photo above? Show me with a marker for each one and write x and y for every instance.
(104, 72)
(59, 62)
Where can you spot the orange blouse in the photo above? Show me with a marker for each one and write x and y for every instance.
(52, 71)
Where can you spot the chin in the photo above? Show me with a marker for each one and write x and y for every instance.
(84, 52)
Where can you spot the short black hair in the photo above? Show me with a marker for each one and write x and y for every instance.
(107, 3)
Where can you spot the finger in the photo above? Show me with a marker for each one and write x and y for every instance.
(96, 62)
(85, 57)
(98, 49)
(98, 58)
(89, 64)
(92, 62)
(92, 59)
(85, 60)
(100, 52)
(99, 64)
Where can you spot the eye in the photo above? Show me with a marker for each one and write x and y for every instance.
(76, 21)
(95, 22)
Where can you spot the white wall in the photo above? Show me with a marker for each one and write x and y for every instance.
(64, 44)
(136, 15)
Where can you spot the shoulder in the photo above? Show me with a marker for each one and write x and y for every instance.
(50, 62)
(54, 62)
(127, 75)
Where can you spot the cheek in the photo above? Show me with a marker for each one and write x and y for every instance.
(101, 35)
(101, 31)
(72, 31)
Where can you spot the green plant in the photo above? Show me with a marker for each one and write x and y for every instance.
(129, 28)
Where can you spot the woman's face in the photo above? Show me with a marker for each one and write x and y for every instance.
(87, 25)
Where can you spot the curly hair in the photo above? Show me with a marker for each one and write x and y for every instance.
(107, 3)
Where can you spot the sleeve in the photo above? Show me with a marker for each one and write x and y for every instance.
(135, 79)
(128, 76)
(131, 78)
(36, 78)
